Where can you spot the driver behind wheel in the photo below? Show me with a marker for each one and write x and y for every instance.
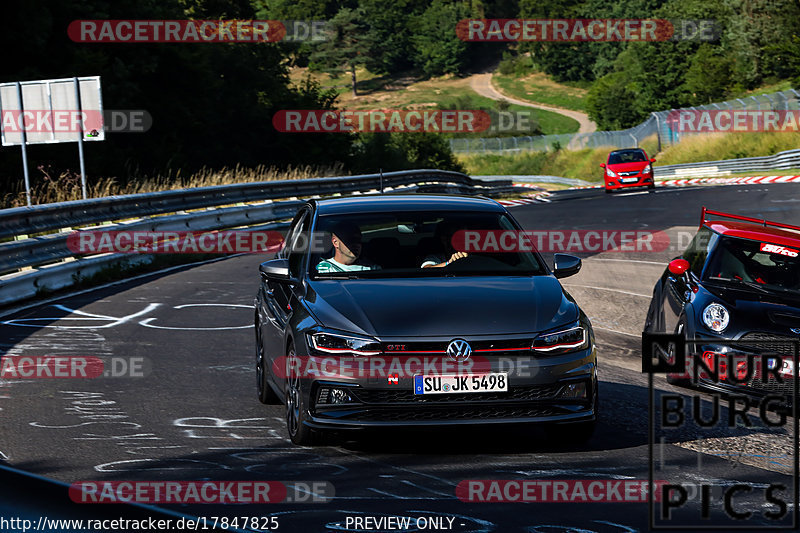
(446, 254)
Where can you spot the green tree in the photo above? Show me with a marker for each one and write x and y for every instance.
(710, 75)
(347, 46)
(403, 151)
(389, 34)
(751, 28)
(611, 102)
(438, 50)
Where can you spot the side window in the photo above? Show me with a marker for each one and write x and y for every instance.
(698, 250)
(297, 243)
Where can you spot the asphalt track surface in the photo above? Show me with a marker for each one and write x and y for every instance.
(195, 415)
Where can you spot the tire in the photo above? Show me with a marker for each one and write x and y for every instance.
(655, 322)
(296, 414)
(265, 393)
(670, 378)
(651, 187)
(608, 191)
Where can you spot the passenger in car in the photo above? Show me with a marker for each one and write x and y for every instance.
(346, 240)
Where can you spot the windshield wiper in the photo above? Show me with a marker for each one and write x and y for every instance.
(751, 284)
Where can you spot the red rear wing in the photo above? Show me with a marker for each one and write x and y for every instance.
(765, 223)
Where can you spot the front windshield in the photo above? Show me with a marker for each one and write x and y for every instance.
(627, 156)
(763, 264)
(419, 243)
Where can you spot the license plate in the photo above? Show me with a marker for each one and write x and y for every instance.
(788, 368)
(628, 180)
(459, 384)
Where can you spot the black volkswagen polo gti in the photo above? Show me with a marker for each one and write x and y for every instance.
(370, 317)
(735, 293)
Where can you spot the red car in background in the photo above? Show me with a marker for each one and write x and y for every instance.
(628, 168)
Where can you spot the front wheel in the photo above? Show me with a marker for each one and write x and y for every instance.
(676, 379)
(296, 414)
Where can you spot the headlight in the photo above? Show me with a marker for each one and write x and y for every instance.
(344, 344)
(563, 341)
(716, 317)
(647, 169)
(611, 173)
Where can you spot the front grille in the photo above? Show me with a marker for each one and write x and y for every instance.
(534, 392)
(769, 343)
(632, 173)
(461, 413)
(784, 387)
(518, 346)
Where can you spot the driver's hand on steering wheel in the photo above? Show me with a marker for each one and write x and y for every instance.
(456, 256)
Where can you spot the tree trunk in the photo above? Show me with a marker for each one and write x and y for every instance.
(353, 79)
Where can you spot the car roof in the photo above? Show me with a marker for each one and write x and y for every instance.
(755, 232)
(405, 202)
(626, 150)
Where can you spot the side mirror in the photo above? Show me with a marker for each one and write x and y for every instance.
(678, 267)
(602, 165)
(565, 265)
(652, 160)
(275, 270)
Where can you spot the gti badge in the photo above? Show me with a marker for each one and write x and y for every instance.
(459, 350)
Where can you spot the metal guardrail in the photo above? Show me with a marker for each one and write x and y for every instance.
(28, 261)
(781, 160)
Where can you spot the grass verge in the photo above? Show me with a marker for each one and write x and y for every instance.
(67, 186)
(540, 88)
(410, 92)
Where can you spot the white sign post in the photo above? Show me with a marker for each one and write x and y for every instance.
(51, 111)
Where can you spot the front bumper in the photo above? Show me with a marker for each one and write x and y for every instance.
(537, 394)
(642, 180)
(741, 367)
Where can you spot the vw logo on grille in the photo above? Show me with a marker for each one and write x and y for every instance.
(459, 350)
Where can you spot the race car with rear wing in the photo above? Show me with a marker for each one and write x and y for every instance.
(735, 295)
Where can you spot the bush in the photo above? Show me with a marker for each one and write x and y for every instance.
(404, 151)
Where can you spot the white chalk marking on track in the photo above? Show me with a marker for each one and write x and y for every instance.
(148, 321)
(619, 332)
(111, 284)
(82, 315)
(606, 289)
(625, 261)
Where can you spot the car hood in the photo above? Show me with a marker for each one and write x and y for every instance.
(628, 167)
(452, 306)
